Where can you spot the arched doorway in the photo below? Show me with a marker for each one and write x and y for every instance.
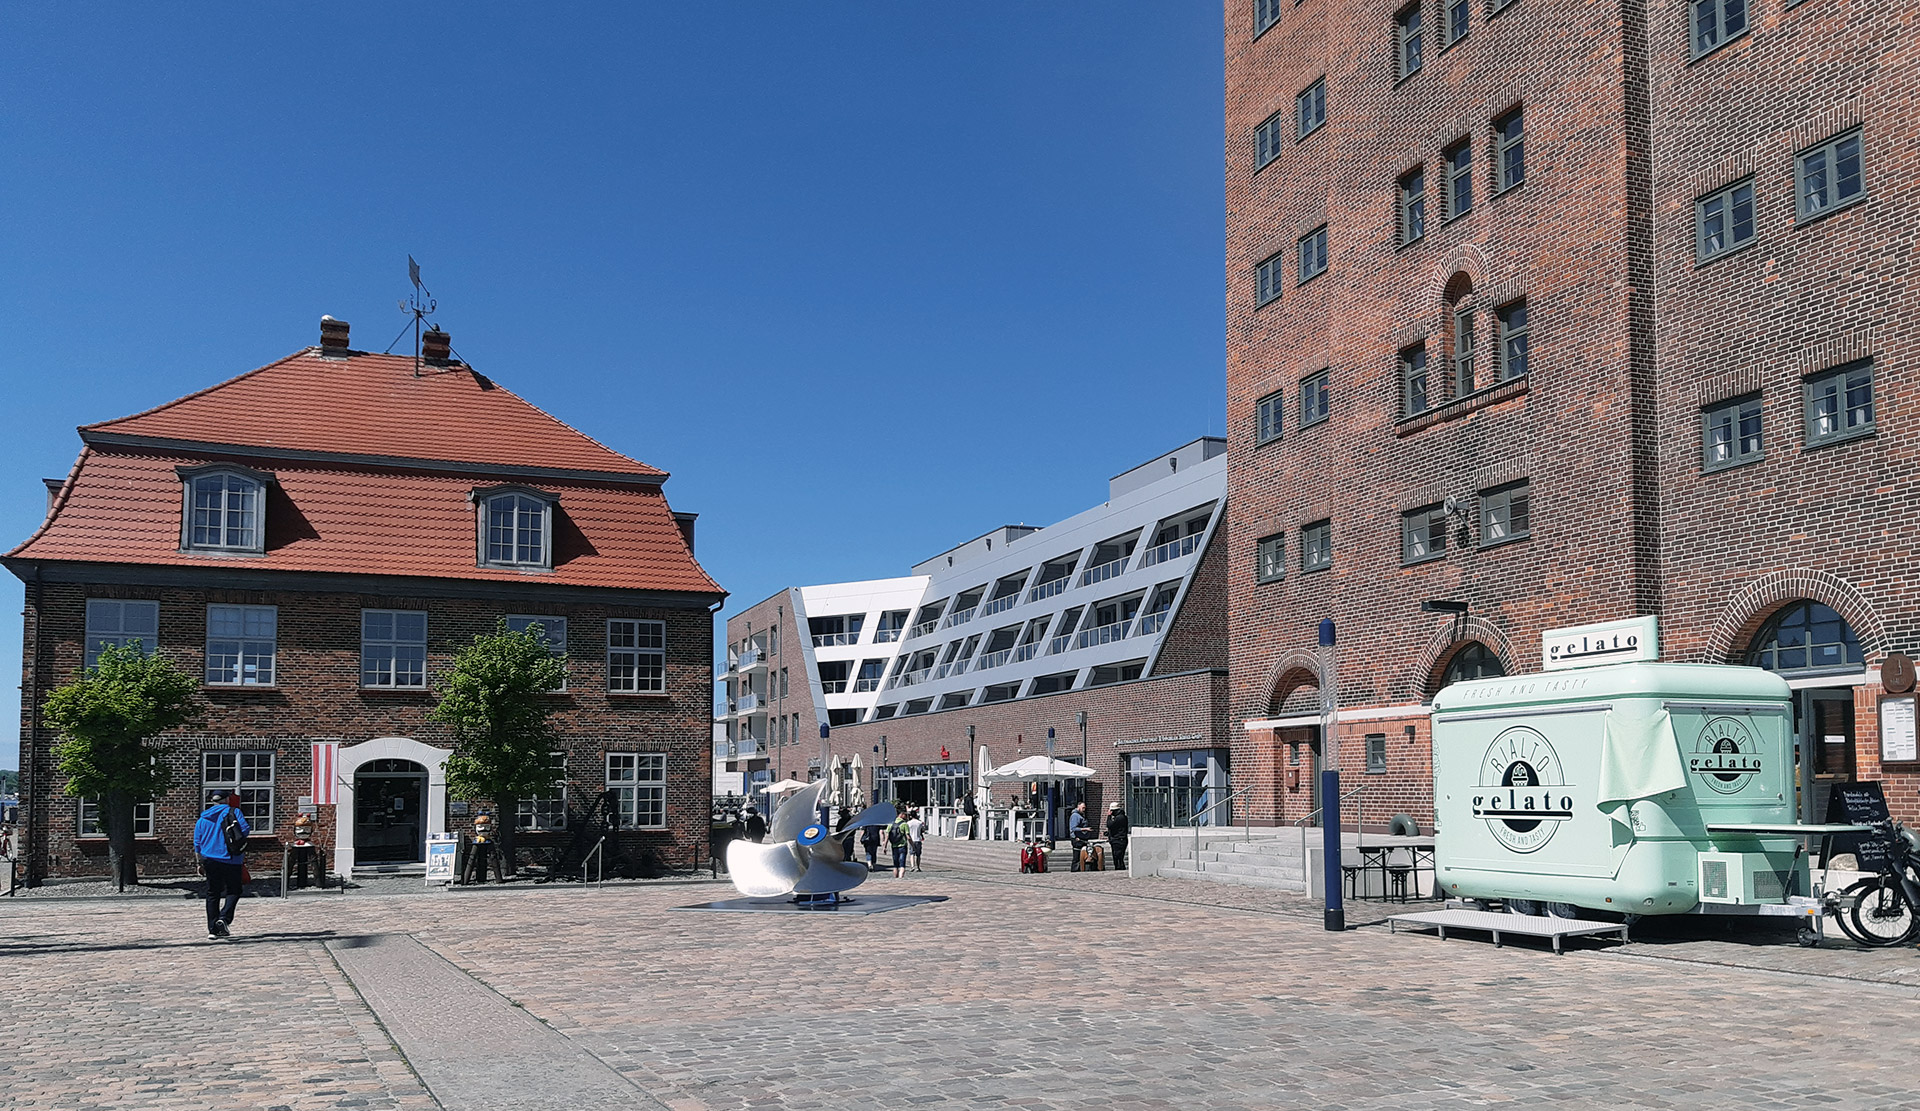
(1295, 698)
(389, 812)
(371, 776)
(1814, 648)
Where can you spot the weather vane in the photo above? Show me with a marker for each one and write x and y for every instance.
(419, 306)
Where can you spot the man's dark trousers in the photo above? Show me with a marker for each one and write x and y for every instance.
(1119, 851)
(223, 879)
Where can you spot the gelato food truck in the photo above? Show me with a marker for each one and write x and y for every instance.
(1640, 788)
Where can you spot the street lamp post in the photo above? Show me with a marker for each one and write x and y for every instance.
(1336, 913)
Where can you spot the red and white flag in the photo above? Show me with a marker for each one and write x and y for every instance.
(326, 791)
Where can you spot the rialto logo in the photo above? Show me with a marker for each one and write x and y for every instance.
(1725, 756)
(1524, 795)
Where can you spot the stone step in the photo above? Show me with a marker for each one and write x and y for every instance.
(1245, 867)
(1185, 870)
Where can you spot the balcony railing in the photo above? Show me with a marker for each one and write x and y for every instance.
(834, 640)
(833, 686)
(861, 686)
(995, 659)
(1102, 634)
(1103, 572)
(1150, 623)
(999, 604)
(959, 617)
(886, 636)
(912, 677)
(1049, 589)
(744, 660)
(957, 667)
(1172, 549)
(746, 703)
(923, 628)
(1026, 651)
(1059, 644)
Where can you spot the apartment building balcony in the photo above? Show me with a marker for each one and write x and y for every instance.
(1102, 634)
(1150, 623)
(959, 617)
(833, 686)
(862, 686)
(835, 640)
(1026, 652)
(747, 661)
(744, 704)
(1172, 549)
(1000, 604)
(995, 659)
(957, 667)
(1103, 572)
(912, 677)
(923, 628)
(1049, 589)
(886, 636)
(1059, 644)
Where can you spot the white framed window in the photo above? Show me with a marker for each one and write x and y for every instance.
(636, 656)
(247, 774)
(1505, 514)
(638, 781)
(393, 648)
(551, 630)
(516, 528)
(111, 621)
(93, 824)
(1829, 177)
(548, 809)
(224, 510)
(1376, 754)
(240, 645)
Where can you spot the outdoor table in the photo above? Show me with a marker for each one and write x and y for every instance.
(1378, 857)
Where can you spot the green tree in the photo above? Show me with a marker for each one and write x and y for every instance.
(110, 717)
(497, 701)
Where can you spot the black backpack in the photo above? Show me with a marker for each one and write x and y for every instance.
(235, 837)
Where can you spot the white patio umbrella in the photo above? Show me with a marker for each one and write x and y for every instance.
(783, 786)
(1036, 768)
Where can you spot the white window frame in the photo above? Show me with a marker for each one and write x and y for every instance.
(519, 534)
(548, 809)
(252, 644)
(549, 626)
(107, 625)
(636, 656)
(89, 822)
(244, 779)
(382, 656)
(237, 516)
(638, 781)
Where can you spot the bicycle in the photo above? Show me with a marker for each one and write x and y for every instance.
(1883, 909)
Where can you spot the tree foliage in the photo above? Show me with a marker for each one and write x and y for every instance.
(497, 700)
(110, 718)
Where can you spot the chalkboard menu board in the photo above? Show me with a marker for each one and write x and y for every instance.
(1858, 804)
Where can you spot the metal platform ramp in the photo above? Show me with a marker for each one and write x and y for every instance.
(1499, 923)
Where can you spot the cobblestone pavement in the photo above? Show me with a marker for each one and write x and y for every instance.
(1055, 991)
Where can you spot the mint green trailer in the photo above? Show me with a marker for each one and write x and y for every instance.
(1641, 788)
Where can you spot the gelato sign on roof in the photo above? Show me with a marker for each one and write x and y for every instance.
(1610, 642)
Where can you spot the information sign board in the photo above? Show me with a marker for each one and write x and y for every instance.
(440, 852)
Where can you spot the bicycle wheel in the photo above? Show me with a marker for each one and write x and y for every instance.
(1881, 915)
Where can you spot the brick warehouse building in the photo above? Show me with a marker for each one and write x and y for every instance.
(1568, 313)
(318, 538)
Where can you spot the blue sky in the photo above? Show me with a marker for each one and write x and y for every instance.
(869, 279)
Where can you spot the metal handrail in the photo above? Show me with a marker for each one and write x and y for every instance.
(1301, 823)
(1051, 587)
(600, 863)
(1198, 865)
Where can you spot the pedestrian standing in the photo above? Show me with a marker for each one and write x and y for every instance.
(897, 841)
(1117, 832)
(972, 810)
(916, 836)
(220, 840)
(870, 841)
(1079, 833)
(756, 826)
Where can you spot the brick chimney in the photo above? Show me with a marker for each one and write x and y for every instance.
(333, 337)
(436, 346)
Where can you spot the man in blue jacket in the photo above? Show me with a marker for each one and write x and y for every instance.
(221, 867)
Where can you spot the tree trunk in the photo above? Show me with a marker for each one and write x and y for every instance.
(117, 811)
(509, 823)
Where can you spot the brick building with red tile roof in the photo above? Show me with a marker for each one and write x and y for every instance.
(317, 538)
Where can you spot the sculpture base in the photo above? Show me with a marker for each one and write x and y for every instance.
(784, 904)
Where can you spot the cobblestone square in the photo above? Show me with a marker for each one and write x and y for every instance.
(1057, 991)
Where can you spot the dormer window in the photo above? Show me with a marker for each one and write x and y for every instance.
(516, 527)
(225, 509)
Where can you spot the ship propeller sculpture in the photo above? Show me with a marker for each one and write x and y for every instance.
(802, 856)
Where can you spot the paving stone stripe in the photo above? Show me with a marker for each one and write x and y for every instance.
(474, 1050)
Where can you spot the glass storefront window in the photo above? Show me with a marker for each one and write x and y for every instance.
(1167, 789)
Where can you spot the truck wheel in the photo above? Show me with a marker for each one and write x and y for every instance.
(1522, 906)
